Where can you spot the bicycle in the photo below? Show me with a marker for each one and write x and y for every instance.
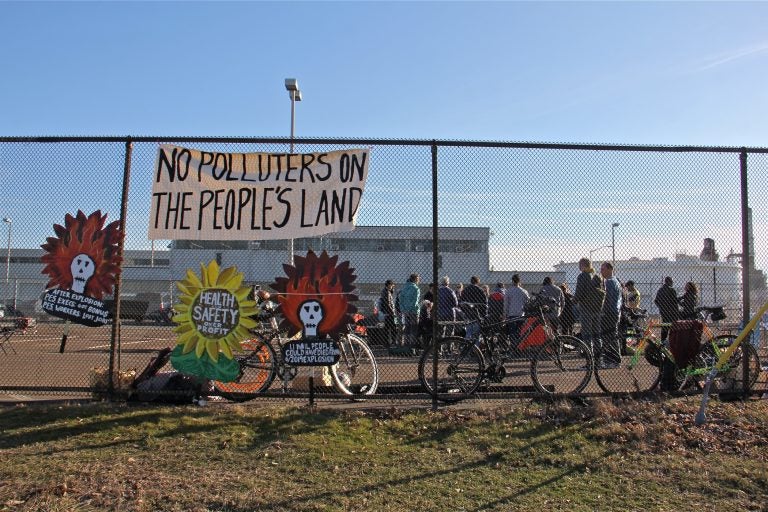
(562, 364)
(723, 360)
(356, 374)
(650, 357)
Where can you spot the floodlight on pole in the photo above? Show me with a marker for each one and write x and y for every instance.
(613, 242)
(292, 86)
(8, 221)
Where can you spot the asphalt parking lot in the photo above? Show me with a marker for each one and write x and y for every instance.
(32, 367)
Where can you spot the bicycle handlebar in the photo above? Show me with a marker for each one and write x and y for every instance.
(708, 308)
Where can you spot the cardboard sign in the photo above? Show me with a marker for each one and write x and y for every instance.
(311, 352)
(76, 307)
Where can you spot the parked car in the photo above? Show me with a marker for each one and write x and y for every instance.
(130, 309)
(9, 315)
(142, 306)
(161, 316)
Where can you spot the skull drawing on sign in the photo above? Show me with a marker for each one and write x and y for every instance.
(311, 314)
(82, 267)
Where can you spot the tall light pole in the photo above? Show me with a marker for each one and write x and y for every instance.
(292, 86)
(613, 242)
(8, 221)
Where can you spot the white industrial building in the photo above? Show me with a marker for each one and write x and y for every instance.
(377, 253)
(719, 282)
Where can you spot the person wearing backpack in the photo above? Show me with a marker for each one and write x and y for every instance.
(496, 303)
(589, 295)
(550, 290)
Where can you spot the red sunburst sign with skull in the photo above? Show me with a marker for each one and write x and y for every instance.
(82, 262)
(316, 296)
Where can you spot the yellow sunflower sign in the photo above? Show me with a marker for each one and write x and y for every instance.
(214, 316)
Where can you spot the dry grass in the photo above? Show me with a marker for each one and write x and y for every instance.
(635, 455)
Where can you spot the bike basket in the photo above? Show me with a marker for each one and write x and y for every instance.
(685, 341)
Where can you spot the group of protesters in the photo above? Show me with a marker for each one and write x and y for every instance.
(597, 304)
(447, 304)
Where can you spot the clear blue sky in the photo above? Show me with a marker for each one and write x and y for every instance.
(634, 72)
(670, 73)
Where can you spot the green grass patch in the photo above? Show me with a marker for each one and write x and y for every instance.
(633, 455)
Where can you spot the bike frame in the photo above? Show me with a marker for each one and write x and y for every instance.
(701, 416)
(691, 370)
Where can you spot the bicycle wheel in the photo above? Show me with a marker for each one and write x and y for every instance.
(460, 369)
(562, 365)
(357, 372)
(730, 381)
(258, 368)
(636, 373)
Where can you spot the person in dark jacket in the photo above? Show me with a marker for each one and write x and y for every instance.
(475, 295)
(666, 301)
(567, 316)
(688, 301)
(446, 304)
(387, 308)
(589, 295)
(474, 304)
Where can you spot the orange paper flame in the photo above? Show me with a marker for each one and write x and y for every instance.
(317, 278)
(83, 235)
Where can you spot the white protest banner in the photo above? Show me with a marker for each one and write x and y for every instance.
(200, 195)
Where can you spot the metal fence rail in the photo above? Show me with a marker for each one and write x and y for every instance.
(438, 209)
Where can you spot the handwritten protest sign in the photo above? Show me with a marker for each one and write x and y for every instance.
(200, 195)
(311, 352)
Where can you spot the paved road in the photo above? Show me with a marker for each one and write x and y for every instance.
(33, 360)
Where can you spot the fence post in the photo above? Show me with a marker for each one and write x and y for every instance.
(435, 255)
(114, 344)
(746, 258)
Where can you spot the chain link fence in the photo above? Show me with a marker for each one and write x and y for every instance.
(451, 212)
